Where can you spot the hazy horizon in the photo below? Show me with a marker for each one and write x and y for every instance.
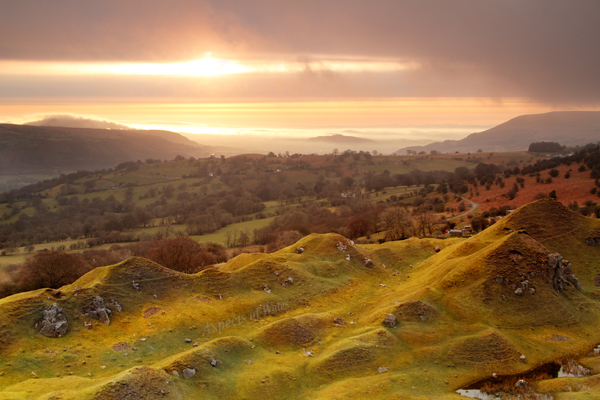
(297, 67)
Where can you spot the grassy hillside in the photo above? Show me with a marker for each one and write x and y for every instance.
(308, 321)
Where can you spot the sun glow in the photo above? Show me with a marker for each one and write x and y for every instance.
(207, 66)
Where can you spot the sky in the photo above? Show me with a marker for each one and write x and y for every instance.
(443, 67)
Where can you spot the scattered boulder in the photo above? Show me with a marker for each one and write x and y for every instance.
(499, 280)
(381, 370)
(597, 280)
(289, 281)
(99, 310)
(54, 323)
(532, 290)
(521, 383)
(437, 249)
(341, 246)
(519, 292)
(213, 362)
(188, 373)
(523, 358)
(369, 263)
(591, 241)
(390, 321)
(299, 250)
(339, 321)
(266, 288)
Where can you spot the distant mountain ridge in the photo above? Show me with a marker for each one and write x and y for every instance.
(569, 128)
(29, 149)
(341, 139)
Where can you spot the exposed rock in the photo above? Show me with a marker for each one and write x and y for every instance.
(532, 290)
(266, 288)
(213, 363)
(114, 303)
(188, 373)
(341, 246)
(339, 321)
(437, 249)
(299, 250)
(289, 281)
(99, 310)
(521, 383)
(175, 373)
(369, 263)
(570, 276)
(390, 321)
(557, 270)
(590, 241)
(523, 358)
(519, 292)
(54, 323)
(597, 280)
(381, 370)
(307, 353)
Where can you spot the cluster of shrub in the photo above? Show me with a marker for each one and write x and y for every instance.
(53, 269)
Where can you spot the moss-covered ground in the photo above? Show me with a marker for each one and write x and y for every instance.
(307, 321)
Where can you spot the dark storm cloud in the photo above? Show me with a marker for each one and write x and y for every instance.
(545, 49)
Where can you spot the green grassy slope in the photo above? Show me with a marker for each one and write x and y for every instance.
(273, 324)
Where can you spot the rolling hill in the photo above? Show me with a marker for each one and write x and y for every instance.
(49, 151)
(570, 128)
(323, 319)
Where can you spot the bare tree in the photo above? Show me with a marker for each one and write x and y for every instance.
(397, 222)
(52, 269)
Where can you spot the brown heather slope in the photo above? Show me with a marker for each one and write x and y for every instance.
(254, 332)
(568, 190)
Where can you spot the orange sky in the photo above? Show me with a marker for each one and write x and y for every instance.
(265, 64)
(294, 114)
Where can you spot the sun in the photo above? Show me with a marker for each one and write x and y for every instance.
(206, 66)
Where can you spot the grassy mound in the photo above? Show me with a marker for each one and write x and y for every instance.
(300, 331)
(138, 383)
(356, 354)
(488, 350)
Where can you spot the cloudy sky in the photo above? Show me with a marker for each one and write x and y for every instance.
(298, 64)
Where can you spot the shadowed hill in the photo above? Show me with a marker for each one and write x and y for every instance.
(324, 318)
(28, 149)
